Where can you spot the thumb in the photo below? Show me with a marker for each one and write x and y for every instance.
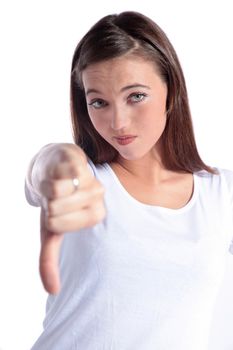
(49, 258)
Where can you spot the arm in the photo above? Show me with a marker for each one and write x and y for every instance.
(63, 209)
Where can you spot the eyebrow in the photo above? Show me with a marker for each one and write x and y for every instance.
(89, 91)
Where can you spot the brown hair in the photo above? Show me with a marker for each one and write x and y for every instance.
(135, 34)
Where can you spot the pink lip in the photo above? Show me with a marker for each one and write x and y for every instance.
(125, 140)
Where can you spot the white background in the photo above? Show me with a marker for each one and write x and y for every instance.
(37, 40)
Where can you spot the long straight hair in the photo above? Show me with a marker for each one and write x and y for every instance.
(131, 33)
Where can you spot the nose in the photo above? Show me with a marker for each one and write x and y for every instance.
(119, 119)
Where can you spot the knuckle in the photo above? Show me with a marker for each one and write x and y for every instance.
(98, 214)
(102, 214)
(98, 189)
(51, 210)
(101, 189)
(64, 154)
(49, 188)
(54, 189)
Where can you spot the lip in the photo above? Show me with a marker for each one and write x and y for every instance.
(125, 140)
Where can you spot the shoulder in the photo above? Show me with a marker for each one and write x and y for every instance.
(227, 176)
(222, 181)
(221, 173)
(98, 170)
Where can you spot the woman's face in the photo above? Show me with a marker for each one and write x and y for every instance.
(126, 101)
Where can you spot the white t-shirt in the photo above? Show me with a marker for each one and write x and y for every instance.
(146, 277)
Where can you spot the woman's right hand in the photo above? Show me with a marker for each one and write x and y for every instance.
(64, 208)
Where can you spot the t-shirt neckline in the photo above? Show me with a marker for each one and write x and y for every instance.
(156, 208)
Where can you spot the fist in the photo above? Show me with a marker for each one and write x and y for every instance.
(65, 206)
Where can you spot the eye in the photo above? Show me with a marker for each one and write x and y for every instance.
(97, 104)
(137, 97)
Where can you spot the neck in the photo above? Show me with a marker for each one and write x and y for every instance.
(148, 169)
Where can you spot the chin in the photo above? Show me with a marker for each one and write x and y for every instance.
(131, 156)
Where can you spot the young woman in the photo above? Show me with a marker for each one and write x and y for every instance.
(135, 224)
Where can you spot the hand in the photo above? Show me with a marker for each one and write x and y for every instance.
(65, 209)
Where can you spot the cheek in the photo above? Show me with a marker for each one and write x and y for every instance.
(98, 123)
(153, 116)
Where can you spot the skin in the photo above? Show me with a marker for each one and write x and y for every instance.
(118, 109)
(131, 100)
(63, 209)
(115, 108)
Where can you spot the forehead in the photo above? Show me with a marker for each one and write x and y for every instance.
(122, 70)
